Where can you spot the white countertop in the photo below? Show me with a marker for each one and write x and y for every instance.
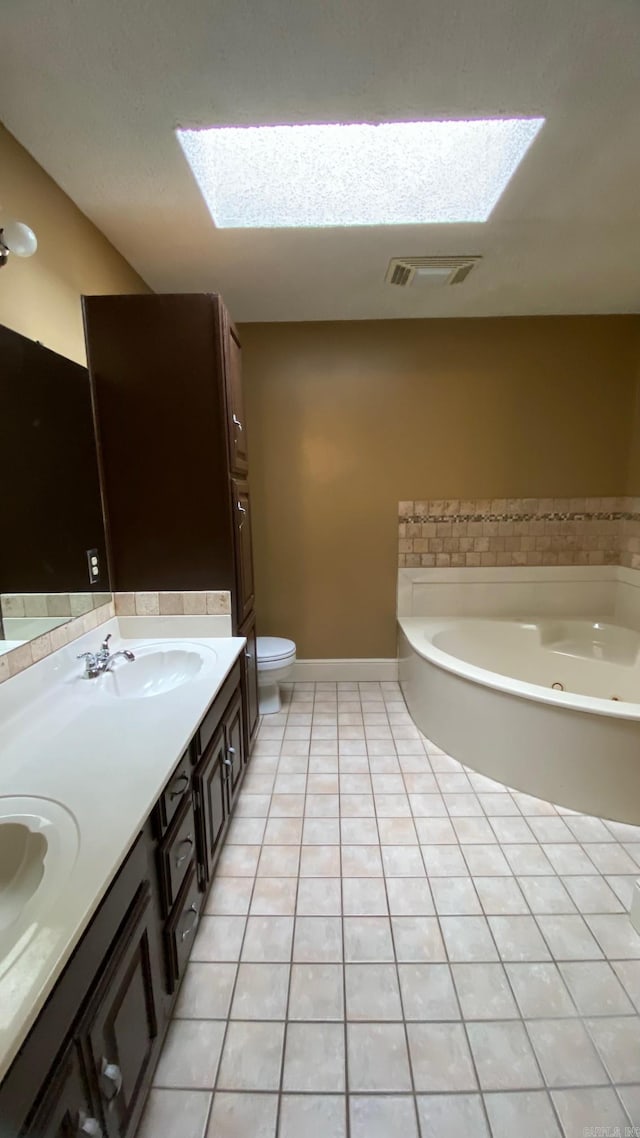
(106, 761)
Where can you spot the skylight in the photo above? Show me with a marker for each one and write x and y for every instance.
(405, 173)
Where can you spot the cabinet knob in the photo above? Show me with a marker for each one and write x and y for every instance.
(111, 1081)
(237, 423)
(182, 778)
(193, 925)
(181, 858)
(89, 1127)
(231, 750)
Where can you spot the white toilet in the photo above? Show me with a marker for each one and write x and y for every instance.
(276, 658)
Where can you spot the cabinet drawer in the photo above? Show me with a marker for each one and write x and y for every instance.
(177, 789)
(176, 854)
(180, 929)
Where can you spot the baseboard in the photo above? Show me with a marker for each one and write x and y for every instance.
(345, 670)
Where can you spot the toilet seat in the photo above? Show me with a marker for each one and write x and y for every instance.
(274, 652)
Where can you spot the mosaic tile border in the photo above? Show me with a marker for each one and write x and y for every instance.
(470, 532)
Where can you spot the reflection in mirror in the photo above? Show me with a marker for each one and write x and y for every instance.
(53, 563)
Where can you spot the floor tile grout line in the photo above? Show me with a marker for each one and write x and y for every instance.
(235, 984)
(285, 1033)
(232, 997)
(405, 1028)
(407, 1094)
(345, 1030)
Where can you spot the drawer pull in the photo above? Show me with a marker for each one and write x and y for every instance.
(181, 858)
(111, 1081)
(88, 1127)
(237, 423)
(231, 751)
(193, 925)
(184, 779)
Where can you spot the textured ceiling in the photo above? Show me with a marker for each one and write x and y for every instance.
(95, 88)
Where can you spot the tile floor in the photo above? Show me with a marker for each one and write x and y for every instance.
(394, 945)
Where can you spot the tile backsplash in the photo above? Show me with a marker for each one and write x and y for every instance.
(123, 604)
(45, 605)
(32, 651)
(174, 604)
(457, 532)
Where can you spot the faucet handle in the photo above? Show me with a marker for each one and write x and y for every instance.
(84, 656)
(104, 647)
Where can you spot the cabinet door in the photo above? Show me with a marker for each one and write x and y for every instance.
(121, 1028)
(238, 453)
(244, 598)
(67, 1111)
(234, 733)
(211, 802)
(250, 681)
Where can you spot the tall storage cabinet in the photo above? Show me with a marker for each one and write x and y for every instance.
(166, 377)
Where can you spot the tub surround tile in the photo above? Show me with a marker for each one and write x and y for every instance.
(518, 531)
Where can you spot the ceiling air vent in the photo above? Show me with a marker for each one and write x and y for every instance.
(409, 271)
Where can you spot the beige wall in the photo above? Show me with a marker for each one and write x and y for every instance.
(40, 297)
(633, 479)
(346, 419)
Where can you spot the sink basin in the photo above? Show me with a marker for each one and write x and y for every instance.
(38, 849)
(22, 855)
(154, 671)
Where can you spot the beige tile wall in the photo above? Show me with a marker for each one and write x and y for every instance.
(173, 604)
(519, 531)
(51, 604)
(630, 534)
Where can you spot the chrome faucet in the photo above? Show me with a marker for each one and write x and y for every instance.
(96, 663)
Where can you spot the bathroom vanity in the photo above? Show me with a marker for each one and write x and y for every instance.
(150, 779)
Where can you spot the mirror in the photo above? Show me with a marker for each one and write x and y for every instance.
(53, 561)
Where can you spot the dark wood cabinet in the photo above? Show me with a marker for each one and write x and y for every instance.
(210, 790)
(236, 426)
(250, 678)
(67, 1110)
(181, 928)
(176, 853)
(86, 1066)
(244, 588)
(122, 1026)
(166, 382)
(175, 794)
(234, 736)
